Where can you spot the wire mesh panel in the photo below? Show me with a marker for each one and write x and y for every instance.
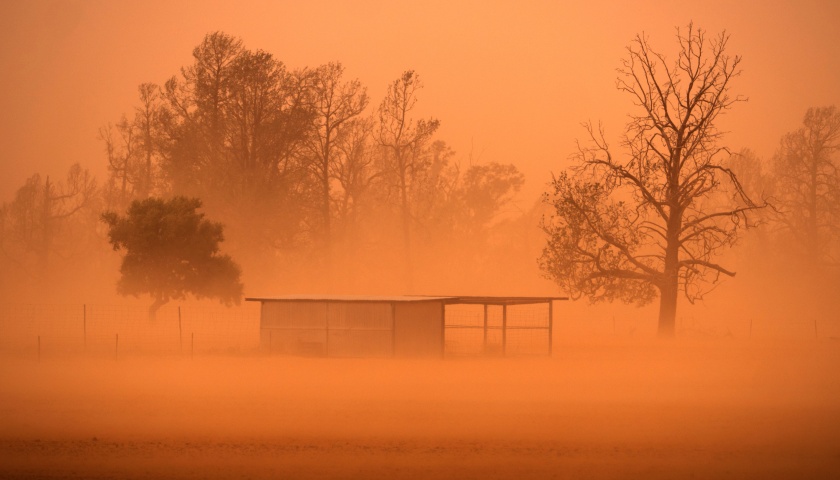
(527, 330)
(497, 330)
(465, 332)
(359, 329)
(336, 329)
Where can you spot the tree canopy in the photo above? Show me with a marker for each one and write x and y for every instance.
(172, 251)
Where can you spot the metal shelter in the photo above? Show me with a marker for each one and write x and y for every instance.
(392, 326)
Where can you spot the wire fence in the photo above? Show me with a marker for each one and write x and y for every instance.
(743, 327)
(53, 330)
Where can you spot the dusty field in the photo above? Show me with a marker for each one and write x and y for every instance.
(716, 409)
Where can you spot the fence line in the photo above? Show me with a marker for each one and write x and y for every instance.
(49, 330)
(117, 330)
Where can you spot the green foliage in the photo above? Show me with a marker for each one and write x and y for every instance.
(172, 251)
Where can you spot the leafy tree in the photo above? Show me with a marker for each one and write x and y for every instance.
(807, 174)
(635, 226)
(171, 251)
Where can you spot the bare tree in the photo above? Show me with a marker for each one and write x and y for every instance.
(808, 186)
(635, 226)
(146, 120)
(121, 148)
(354, 168)
(336, 102)
(404, 138)
(35, 217)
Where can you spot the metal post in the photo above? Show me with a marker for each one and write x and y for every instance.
(327, 331)
(442, 329)
(180, 332)
(270, 331)
(39, 349)
(550, 328)
(117, 347)
(192, 345)
(393, 329)
(504, 330)
(84, 327)
(816, 334)
(751, 322)
(485, 328)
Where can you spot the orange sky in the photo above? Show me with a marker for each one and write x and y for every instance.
(510, 80)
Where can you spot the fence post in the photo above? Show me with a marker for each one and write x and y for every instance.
(751, 322)
(504, 330)
(180, 335)
(816, 333)
(84, 327)
(192, 345)
(117, 347)
(39, 349)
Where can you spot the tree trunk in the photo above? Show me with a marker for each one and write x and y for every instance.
(668, 309)
(669, 288)
(154, 307)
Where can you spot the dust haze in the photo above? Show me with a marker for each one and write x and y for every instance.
(163, 161)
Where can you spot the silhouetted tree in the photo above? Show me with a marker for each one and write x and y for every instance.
(122, 150)
(486, 189)
(808, 186)
(171, 251)
(132, 149)
(147, 122)
(336, 103)
(232, 132)
(635, 226)
(404, 139)
(35, 219)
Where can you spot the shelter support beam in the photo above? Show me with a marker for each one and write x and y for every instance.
(550, 327)
(485, 328)
(504, 330)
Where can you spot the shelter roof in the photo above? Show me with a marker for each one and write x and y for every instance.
(349, 298)
(448, 299)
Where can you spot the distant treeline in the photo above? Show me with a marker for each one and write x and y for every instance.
(315, 183)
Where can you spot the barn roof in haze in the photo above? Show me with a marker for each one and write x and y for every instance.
(449, 299)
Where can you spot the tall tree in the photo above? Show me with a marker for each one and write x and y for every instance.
(35, 218)
(146, 120)
(232, 132)
(807, 173)
(336, 103)
(121, 149)
(404, 139)
(172, 251)
(635, 226)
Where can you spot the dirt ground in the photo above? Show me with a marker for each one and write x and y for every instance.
(712, 409)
